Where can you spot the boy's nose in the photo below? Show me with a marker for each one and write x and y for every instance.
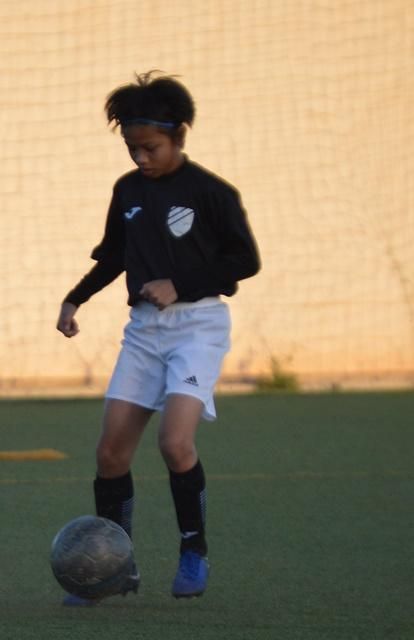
(140, 157)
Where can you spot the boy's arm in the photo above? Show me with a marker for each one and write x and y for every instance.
(237, 257)
(109, 255)
(103, 273)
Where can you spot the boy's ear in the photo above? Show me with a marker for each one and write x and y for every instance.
(180, 135)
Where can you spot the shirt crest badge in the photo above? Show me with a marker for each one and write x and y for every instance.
(180, 220)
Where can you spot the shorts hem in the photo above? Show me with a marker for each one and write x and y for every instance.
(114, 396)
(206, 415)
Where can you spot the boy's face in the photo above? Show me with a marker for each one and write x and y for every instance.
(154, 152)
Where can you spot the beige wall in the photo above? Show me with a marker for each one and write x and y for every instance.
(307, 107)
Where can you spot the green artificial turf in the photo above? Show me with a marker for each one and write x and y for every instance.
(310, 522)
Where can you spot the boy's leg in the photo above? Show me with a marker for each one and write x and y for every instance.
(123, 426)
(177, 444)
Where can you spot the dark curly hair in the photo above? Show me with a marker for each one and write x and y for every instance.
(159, 99)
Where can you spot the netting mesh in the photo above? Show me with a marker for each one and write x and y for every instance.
(306, 106)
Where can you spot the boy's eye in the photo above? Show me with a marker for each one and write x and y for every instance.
(150, 149)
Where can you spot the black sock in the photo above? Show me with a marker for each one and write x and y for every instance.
(189, 494)
(114, 499)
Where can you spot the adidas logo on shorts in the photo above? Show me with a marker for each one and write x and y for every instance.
(191, 380)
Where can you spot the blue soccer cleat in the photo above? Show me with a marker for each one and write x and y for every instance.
(191, 577)
(131, 584)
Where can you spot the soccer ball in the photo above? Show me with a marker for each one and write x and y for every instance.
(91, 557)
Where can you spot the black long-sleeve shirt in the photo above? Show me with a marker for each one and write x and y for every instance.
(188, 226)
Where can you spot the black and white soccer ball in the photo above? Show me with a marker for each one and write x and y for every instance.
(91, 557)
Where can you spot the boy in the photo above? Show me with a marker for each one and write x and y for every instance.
(181, 235)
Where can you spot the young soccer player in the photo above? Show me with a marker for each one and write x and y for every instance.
(181, 235)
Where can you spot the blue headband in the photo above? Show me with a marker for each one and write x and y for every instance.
(154, 123)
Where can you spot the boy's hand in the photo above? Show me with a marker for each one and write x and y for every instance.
(66, 323)
(160, 293)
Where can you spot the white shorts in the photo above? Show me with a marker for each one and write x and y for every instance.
(177, 350)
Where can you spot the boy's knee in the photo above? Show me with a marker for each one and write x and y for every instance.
(178, 453)
(110, 461)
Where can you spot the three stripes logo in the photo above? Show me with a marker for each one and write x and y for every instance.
(191, 380)
(180, 220)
